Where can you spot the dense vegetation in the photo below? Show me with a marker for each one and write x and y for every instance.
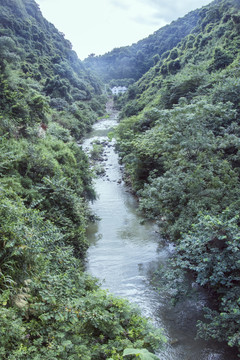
(179, 139)
(50, 309)
(124, 65)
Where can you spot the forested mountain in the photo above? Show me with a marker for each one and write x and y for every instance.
(50, 309)
(43, 62)
(179, 139)
(127, 64)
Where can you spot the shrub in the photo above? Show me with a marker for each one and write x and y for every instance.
(211, 251)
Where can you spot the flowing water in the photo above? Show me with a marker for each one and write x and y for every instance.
(125, 251)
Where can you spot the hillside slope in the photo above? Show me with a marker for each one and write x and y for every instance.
(179, 138)
(50, 309)
(42, 61)
(131, 62)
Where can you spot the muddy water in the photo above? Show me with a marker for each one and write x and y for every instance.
(124, 253)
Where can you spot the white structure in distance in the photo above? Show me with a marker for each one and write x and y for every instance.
(117, 90)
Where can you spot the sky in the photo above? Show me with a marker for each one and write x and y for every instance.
(98, 26)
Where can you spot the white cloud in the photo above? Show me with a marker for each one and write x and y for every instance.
(120, 4)
(95, 26)
(173, 9)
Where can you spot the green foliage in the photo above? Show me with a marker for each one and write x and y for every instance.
(36, 61)
(54, 177)
(182, 161)
(140, 353)
(49, 308)
(131, 62)
(187, 152)
(221, 59)
(211, 251)
(226, 90)
(180, 145)
(184, 84)
(8, 51)
(173, 66)
(96, 156)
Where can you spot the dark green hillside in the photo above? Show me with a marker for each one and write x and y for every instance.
(50, 309)
(180, 141)
(131, 62)
(43, 62)
(47, 99)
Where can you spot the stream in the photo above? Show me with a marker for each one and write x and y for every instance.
(125, 251)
